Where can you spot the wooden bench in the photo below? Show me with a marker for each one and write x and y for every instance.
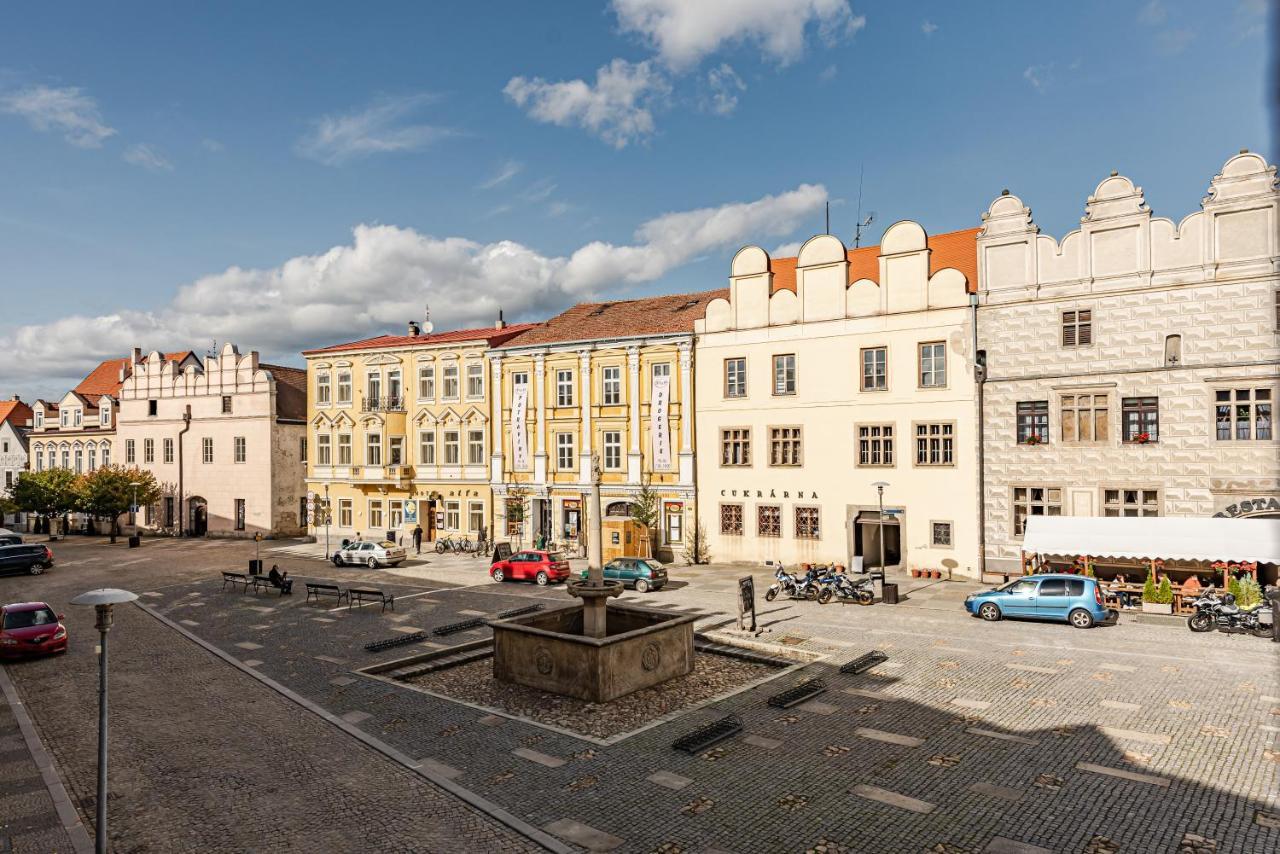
(234, 578)
(263, 582)
(369, 594)
(318, 590)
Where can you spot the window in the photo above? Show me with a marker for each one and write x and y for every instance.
(427, 382)
(1243, 414)
(373, 449)
(206, 449)
(933, 364)
(875, 369)
(934, 444)
(395, 450)
(129, 456)
(324, 449)
(226, 404)
(1033, 422)
(373, 386)
(611, 385)
(564, 451)
(153, 406)
(344, 512)
(564, 388)
(344, 386)
(66, 458)
(104, 415)
(612, 449)
(39, 458)
(1077, 328)
(239, 509)
(394, 388)
(807, 523)
(731, 519)
(520, 378)
(344, 449)
(39, 418)
(735, 377)
(1141, 419)
(375, 514)
(452, 515)
(450, 382)
(769, 520)
(395, 513)
(79, 460)
(940, 534)
(302, 449)
(322, 388)
(148, 451)
(735, 446)
(79, 414)
(65, 418)
(1034, 501)
(784, 446)
(1084, 418)
(875, 444)
(427, 447)
(106, 455)
(1130, 502)
(784, 374)
(673, 522)
(661, 369)
(238, 447)
(168, 450)
(475, 380)
(475, 447)
(475, 516)
(452, 451)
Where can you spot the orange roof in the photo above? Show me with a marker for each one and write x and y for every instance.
(15, 410)
(105, 379)
(593, 321)
(958, 249)
(488, 334)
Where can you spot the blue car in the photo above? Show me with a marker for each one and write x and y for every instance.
(1074, 599)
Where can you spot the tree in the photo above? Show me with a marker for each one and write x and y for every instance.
(1250, 592)
(107, 492)
(695, 546)
(517, 511)
(1149, 593)
(644, 509)
(1164, 594)
(47, 494)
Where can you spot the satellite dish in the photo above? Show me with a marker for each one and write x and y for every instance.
(427, 325)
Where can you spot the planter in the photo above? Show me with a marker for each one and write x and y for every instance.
(915, 573)
(1157, 608)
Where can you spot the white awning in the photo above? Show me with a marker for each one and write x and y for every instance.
(1155, 537)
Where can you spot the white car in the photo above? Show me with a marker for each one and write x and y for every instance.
(372, 555)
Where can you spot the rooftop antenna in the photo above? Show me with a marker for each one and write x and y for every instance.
(427, 326)
(828, 218)
(861, 223)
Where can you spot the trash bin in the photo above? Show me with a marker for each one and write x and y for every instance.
(255, 567)
(889, 594)
(135, 540)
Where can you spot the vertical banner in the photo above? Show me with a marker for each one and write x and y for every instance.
(658, 426)
(519, 437)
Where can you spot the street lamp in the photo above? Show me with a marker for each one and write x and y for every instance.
(326, 521)
(133, 508)
(880, 485)
(102, 601)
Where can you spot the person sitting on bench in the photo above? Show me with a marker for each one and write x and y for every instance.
(282, 581)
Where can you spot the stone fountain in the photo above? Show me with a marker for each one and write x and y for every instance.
(595, 651)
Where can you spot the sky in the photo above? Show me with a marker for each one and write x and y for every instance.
(297, 174)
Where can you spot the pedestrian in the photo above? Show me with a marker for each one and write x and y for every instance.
(279, 580)
(417, 538)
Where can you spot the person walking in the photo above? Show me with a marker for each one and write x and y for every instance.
(417, 538)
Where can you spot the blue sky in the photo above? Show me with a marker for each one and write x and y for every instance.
(294, 174)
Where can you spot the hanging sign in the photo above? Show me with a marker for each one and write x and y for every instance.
(519, 438)
(658, 426)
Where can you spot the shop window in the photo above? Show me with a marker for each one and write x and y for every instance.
(807, 523)
(769, 520)
(731, 519)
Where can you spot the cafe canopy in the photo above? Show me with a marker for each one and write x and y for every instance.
(1155, 538)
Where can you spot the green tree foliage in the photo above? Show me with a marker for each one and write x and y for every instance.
(1149, 592)
(1250, 592)
(107, 492)
(1233, 587)
(1164, 594)
(644, 509)
(49, 493)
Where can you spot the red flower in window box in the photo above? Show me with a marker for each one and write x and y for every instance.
(1032, 439)
(1142, 438)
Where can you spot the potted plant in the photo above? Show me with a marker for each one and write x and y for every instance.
(1157, 599)
(1033, 439)
(1142, 438)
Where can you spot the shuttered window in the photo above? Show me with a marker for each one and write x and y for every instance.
(1077, 328)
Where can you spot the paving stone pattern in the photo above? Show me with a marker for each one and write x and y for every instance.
(28, 820)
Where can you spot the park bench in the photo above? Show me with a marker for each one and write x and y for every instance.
(263, 582)
(369, 594)
(234, 578)
(318, 590)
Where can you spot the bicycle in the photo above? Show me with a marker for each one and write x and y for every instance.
(445, 544)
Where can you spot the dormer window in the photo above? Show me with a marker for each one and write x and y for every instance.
(77, 414)
(39, 419)
(104, 416)
(64, 418)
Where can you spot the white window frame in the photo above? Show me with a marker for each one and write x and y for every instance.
(324, 449)
(611, 385)
(240, 449)
(611, 440)
(566, 456)
(475, 380)
(475, 457)
(373, 449)
(324, 390)
(564, 387)
(206, 450)
(452, 449)
(450, 380)
(427, 383)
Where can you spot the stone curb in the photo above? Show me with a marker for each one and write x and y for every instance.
(422, 769)
(67, 813)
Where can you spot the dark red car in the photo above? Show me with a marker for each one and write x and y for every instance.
(31, 628)
(532, 565)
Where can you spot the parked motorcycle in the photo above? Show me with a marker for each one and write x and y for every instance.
(808, 587)
(837, 585)
(785, 582)
(1222, 614)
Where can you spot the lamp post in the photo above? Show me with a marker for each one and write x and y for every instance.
(102, 601)
(880, 485)
(327, 553)
(133, 508)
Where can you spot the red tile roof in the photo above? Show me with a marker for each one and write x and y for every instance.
(16, 411)
(958, 249)
(105, 379)
(594, 321)
(493, 337)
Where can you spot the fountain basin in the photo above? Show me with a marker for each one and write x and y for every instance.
(549, 651)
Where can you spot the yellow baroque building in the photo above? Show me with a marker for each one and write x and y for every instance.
(398, 431)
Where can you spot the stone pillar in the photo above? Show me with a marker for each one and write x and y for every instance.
(540, 402)
(584, 394)
(594, 608)
(496, 440)
(633, 392)
(686, 413)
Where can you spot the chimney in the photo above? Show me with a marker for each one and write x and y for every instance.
(413, 329)
(501, 324)
(136, 356)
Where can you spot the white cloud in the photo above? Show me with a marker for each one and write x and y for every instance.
(787, 250)
(1251, 18)
(616, 108)
(558, 208)
(141, 154)
(508, 170)
(384, 126)
(538, 191)
(928, 28)
(67, 111)
(1173, 42)
(380, 280)
(683, 33)
(723, 84)
(1153, 13)
(829, 73)
(1037, 76)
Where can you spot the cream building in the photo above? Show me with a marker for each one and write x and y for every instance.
(398, 430)
(613, 379)
(15, 424)
(224, 438)
(822, 375)
(1132, 367)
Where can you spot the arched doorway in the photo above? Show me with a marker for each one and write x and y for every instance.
(198, 517)
(618, 508)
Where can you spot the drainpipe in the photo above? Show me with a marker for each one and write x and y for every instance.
(182, 511)
(980, 377)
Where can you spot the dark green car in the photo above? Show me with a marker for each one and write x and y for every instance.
(642, 573)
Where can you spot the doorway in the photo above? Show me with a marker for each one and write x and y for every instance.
(866, 540)
(199, 525)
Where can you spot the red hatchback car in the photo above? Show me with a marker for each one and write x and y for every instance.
(31, 628)
(533, 565)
